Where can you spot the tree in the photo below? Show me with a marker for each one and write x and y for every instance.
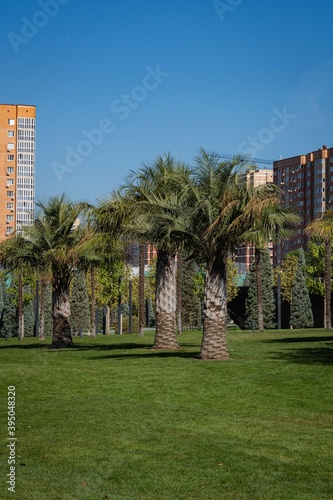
(9, 314)
(141, 288)
(268, 301)
(80, 310)
(232, 279)
(268, 223)
(191, 305)
(300, 308)
(322, 228)
(224, 210)
(16, 256)
(288, 274)
(179, 280)
(29, 318)
(315, 268)
(46, 317)
(157, 196)
(59, 243)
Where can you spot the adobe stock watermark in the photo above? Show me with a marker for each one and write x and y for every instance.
(31, 27)
(121, 108)
(223, 8)
(277, 124)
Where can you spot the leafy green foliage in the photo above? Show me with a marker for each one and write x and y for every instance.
(232, 279)
(288, 274)
(125, 325)
(315, 268)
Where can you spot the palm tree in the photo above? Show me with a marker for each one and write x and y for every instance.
(269, 223)
(16, 256)
(323, 228)
(223, 212)
(213, 210)
(157, 196)
(62, 244)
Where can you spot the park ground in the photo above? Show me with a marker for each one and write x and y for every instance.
(113, 419)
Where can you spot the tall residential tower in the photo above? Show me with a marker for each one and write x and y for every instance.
(307, 185)
(17, 167)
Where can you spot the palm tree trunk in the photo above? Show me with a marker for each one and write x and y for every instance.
(93, 301)
(42, 309)
(214, 340)
(165, 335)
(62, 336)
(20, 307)
(328, 277)
(259, 290)
(179, 293)
(141, 288)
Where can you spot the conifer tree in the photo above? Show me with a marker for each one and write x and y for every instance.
(191, 309)
(29, 319)
(48, 321)
(10, 313)
(80, 310)
(300, 309)
(268, 300)
(2, 297)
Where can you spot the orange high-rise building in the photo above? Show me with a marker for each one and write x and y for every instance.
(17, 167)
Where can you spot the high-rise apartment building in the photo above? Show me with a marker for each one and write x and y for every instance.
(307, 185)
(17, 167)
(253, 177)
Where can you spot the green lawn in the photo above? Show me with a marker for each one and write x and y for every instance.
(112, 419)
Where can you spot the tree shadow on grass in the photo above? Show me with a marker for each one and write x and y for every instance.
(151, 354)
(307, 355)
(294, 340)
(145, 350)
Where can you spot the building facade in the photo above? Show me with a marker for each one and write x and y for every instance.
(307, 185)
(17, 167)
(132, 254)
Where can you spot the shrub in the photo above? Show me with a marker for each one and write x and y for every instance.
(135, 325)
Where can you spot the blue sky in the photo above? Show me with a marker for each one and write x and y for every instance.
(118, 82)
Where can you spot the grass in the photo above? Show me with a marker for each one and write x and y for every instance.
(112, 419)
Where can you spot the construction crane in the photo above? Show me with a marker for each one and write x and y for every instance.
(254, 160)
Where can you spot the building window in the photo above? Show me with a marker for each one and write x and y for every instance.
(10, 157)
(10, 133)
(10, 146)
(10, 206)
(9, 218)
(10, 170)
(9, 230)
(10, 193)
(11, 121)
(10, 182)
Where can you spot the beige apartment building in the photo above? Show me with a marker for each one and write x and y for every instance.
(17, 167)
(254, 176)
(307, 185)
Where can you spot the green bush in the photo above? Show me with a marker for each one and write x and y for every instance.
(135, 325)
